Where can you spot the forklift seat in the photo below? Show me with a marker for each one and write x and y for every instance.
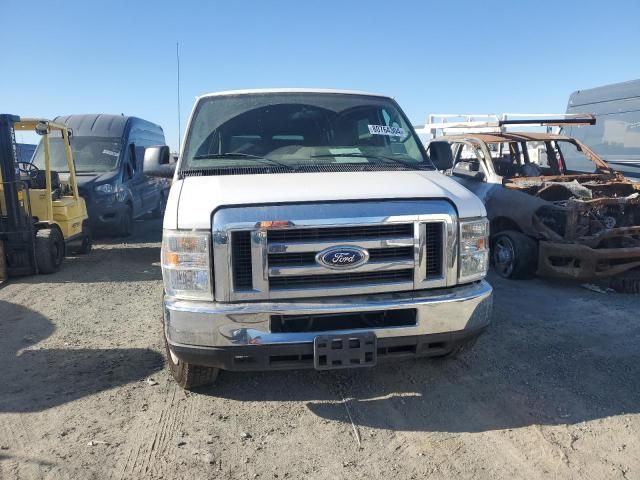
(39, 182)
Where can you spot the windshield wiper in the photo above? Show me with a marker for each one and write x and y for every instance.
(410, 164)
(240, 155)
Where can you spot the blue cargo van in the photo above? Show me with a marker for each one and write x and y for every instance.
(108, 151)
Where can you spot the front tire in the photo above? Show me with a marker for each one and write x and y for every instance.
(126, 223)
(49, 250)
(514, 255)
(187, 375)
(158, 212)
(87, 241)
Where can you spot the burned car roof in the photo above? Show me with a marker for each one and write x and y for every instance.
(508, 137)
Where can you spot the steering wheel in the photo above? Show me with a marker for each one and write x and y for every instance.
(28, 168)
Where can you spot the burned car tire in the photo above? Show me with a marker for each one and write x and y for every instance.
(187, 375)
(514, 255)
(628, 282)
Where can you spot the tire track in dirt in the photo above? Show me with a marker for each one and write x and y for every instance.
(149, 440)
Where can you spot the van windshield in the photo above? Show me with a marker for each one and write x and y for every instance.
(296, 130)
(90, 154)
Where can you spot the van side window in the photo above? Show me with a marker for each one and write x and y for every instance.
(129, 166)
(139, 159)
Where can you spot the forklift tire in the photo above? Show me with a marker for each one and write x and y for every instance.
(87, 241)
(187, 375)
(126, 223)
(49, 249)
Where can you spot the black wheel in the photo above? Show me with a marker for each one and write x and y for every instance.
(187, 375)
(627, 282)
(126, 223)
(49, 249)
(514, 254)
(87, 241)
(158, 212)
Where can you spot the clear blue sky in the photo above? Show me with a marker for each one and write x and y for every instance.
(115, 56)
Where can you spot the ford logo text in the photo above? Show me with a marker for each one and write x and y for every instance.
(340, 258)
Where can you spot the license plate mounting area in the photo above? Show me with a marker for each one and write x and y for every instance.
(331, 352)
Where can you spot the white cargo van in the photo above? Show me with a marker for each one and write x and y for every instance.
(308, 229)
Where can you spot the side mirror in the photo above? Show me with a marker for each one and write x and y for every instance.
(441, 155)
(156, 162)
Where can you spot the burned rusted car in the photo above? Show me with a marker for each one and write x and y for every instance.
(555, 207)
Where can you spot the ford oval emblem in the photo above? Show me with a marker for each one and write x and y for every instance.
(342, 257)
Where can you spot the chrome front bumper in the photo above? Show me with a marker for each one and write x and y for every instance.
(221, 325)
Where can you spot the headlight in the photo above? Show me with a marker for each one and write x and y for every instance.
(186, 264)
(474, 250)
(106, 188)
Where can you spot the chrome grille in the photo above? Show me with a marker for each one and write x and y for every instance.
(411, 245)
(391, 262)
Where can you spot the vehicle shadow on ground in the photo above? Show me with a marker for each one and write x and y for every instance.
(34, 379)
(144, 231)
(541, 362)
(110, 263)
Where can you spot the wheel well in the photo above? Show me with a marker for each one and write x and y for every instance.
(500, 224)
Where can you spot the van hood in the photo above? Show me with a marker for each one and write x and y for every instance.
(87, 179)
(193, 199)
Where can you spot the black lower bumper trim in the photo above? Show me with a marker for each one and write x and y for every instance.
(300, 355)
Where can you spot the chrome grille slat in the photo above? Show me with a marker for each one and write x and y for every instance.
(341, 279)
(335, 234)
(316, 246)
(370, 267)
(309, 258)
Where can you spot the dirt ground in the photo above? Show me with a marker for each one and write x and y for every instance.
(551, 390)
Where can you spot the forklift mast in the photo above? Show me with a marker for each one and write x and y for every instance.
(16, 224)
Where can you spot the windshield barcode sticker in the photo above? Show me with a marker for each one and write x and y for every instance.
(110, 152)
(384, 130)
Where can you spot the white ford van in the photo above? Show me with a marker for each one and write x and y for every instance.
(308, 229)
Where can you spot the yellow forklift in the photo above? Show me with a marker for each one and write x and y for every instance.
(41, 216)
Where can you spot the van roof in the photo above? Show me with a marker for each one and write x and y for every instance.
(289, 90)
(605, 93)
(98, 124)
